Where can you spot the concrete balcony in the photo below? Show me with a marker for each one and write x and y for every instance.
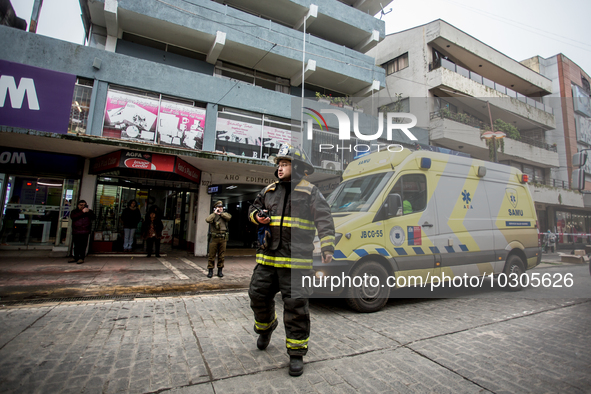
(556, 196)
(451, 134)
(247, 40)
(470, 85)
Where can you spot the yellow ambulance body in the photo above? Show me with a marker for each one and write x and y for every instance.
(428, 214)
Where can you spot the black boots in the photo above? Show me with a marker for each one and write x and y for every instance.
(264, 340)
(296, 365)
(210, 273)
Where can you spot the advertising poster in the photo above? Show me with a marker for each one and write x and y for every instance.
(130, 117)
(181, 125)
(167, 231)
(274, 137)
(238, 132)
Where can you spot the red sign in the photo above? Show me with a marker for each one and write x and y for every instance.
(145, 161)
(186, 170)
(106, 162)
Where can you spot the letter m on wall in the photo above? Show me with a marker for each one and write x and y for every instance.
(16, 93)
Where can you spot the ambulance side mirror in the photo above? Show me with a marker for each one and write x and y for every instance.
(393, 205)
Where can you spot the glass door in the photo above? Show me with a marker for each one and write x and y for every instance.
(33, 211)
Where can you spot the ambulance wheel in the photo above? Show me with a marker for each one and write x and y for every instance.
(514, 265)
(367, 299)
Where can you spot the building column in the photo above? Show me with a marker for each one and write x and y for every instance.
(209, 132)
(87, 186)
(202, 228)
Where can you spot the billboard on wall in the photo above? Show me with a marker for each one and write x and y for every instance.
(238, 132)
(181, 125)
(35, 98)
(583, 127)
(130, 117)
(581, 101)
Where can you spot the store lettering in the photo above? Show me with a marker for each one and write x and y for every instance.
(13, 158)
(17, 94)
(232, 177)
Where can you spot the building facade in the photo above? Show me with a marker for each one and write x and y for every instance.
(460, 89)
(171, 103)
(572, 108)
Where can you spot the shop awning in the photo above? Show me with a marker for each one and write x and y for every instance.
(126, 163)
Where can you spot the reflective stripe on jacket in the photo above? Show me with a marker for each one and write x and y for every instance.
(294, 221)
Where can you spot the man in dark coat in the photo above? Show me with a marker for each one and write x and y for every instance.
(82, 218)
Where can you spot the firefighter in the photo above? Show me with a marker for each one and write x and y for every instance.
(292, 208)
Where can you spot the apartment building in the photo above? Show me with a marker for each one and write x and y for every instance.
(572, 109)
(171, 103)
(459, 88)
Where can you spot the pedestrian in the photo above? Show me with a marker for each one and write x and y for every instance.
(152, 232)
(218, 230)
(82, 218)
(293, 208)
(130, 217)
(550, 241)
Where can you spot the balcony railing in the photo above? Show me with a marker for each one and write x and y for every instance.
(552, 183)
(477, 123)
(487, 82)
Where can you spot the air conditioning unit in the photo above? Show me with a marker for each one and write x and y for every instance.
(331, 165)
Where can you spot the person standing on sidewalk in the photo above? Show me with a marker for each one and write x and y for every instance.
(130, 217)
(152, 232)
(218, 229)
(293, 209)
(82, 218)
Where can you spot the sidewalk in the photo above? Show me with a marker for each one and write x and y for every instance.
(34, 275)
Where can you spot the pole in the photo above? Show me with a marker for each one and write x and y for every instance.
(35, 16)
(492, 128)
(303, 75)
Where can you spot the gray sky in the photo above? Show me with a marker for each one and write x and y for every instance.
(518, 28)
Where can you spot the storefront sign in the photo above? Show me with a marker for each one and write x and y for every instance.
(147, 161)
(35, 98)
(181, 125)
(186, 170)
(26, 162)
(124, 159)
(105, 162)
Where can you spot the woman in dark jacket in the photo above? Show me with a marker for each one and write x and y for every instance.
(152, 232)
(82, 218)
(130, 217)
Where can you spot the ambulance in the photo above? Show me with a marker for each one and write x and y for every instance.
(422, 214)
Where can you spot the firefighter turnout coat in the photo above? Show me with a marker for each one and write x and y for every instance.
(295, 215)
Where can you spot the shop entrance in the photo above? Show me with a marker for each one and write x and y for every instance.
(36, 211)
(237, 200)
(173, 200)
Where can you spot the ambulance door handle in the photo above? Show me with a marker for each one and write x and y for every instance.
(426, 224)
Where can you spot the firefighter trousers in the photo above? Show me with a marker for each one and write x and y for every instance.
(267, 281)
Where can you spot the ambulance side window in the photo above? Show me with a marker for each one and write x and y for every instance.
(412, 188)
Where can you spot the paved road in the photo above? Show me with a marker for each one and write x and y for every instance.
(482, 341)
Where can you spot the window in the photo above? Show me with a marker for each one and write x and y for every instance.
(585, 84)
(253, 77)
(80, 106)
(358, 194)
(401, 62)
(412, 189)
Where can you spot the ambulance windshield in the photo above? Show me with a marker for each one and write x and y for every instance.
(357, 195)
